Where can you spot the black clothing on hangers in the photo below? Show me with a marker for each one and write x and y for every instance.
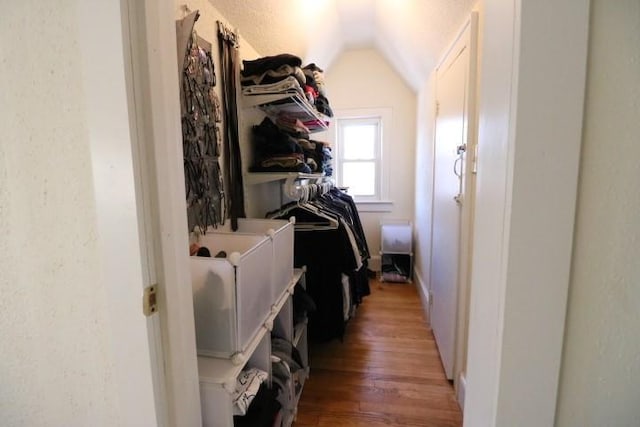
(228, 43)
(329, 241)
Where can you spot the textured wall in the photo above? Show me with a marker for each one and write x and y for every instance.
(56, 365)
(353, 85)
(409, 34)
(424, 182)
(600, 378)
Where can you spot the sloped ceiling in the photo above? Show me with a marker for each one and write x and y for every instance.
(410, 34)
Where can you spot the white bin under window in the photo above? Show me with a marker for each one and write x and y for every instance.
(396, 238)
(231, 296)
(396, 257)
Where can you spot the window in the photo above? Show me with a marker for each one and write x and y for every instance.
(361, 156)
(359, 143)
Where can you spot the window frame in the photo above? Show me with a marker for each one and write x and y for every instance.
(382, 117)
(342, 124)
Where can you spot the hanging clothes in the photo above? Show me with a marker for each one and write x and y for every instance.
(228, 43)
(330, 242)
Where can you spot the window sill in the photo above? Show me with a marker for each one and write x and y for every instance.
(374, 205)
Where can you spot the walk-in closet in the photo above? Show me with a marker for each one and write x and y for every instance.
(319, 213)
(310, 305)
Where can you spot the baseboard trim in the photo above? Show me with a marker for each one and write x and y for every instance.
(424, 293)
(461, 390)
(375, 263)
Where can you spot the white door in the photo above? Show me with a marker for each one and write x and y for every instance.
(449, 158)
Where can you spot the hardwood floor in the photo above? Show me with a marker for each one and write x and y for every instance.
(387, 372)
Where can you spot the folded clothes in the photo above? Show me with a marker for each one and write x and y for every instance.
(316, 75)
(269, 140)
(292, 125)
(273, 76)
(286, 162)
(306, 144)
(285, 350)
(313, 155)
(322, 105)
(314, 124)
(315, 78)
(290, 160)
(263, 411)
(247, 386)
(313, 67)
(301, 168)
(311, 82)
(260, 65)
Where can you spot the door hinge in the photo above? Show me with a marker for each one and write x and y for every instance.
(437, 108)
(150, 300)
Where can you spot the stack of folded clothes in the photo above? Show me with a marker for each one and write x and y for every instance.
(315, 86)
(285, 146)
(283, 74)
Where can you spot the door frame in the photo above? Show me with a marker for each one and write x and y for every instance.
(466, 219)
(136, 360)
(152, 74)
(466, 36)
(529, 138)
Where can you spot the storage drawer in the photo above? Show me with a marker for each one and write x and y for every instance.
(219, 382)
(396, 238)
(281, 233)
(232, 296)
(396, 268)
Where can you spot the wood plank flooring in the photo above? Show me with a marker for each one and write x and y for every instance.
(387, 372)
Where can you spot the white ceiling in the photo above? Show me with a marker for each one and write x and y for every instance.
(410, 34)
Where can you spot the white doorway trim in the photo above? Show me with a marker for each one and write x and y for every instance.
(530, 124)
(452, 204)
(467, 216)
(103, 53)
(153, 74)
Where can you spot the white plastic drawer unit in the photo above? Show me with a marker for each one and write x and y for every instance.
(281, 233)
(231, 296)
(396, 238)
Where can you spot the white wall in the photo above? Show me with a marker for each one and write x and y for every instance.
(600, 378)
(75, 349)
(361, 79)
(424, 185)
(531, 99)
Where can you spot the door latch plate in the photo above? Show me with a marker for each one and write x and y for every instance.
(150, 301)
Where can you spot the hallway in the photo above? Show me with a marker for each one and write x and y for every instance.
(386, 372)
